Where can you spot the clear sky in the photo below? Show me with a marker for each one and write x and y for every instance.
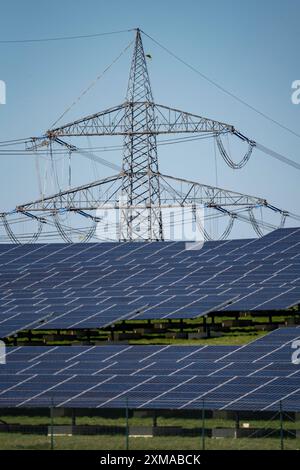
(249, 47)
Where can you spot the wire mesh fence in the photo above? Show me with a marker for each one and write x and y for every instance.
(130, 428)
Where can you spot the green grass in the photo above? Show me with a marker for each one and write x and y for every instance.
(30, 442)
(147, 421)
(236, 337)
(227, 339)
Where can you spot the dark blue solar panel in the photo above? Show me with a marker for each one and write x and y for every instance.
(256, 376)
(93, 285)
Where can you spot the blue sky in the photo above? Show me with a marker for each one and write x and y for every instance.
(248, 47)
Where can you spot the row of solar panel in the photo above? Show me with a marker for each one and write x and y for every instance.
(253, 377)
(284, 240)
(154, 392)
(76, 317)
(33, 296)
(279, 340)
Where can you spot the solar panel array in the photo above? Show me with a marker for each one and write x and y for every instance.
(94, 285)
(256, 376)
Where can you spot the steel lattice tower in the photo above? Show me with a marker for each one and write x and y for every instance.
(140, 184)
(139, 191)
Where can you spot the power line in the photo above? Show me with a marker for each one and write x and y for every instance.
(86, 90)
(87, 152)
(278, 156)
(15, 141)
(63, 38)
(107, 148)
(221, 88)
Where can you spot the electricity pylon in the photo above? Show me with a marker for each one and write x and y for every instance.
(139, 190)
(140, 182)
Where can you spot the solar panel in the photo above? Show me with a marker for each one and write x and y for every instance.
(94, 285)
(256, 376)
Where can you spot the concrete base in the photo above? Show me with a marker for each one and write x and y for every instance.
(250, 433)
(140, 431)
(176, 335)
(197, 335)
(126, 336)
(60, 431)
(224, 432)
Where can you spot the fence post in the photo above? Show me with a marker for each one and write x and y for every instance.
(52, 424)
(127, 426)
(281, 426)
(237, 423)
(203, 426)
(73, 417)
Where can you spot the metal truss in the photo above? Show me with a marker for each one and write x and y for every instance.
(140, 179)
(167, 120)
(174, 191)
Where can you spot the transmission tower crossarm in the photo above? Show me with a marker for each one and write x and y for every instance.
(172, 120)
(107, 122)
(167, 121)
(76, 198)
(187, 191)
(211, 195)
